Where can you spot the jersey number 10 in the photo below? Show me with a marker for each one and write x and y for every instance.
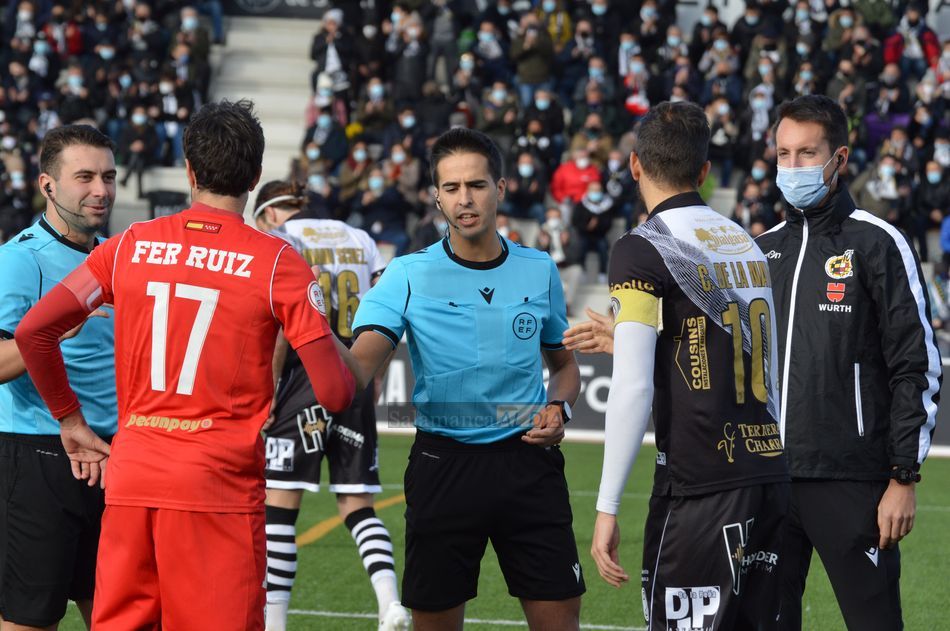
(760, 325)
(208, 300)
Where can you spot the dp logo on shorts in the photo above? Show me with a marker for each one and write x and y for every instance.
(692, 608)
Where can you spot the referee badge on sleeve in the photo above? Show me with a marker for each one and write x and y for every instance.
(315, 296)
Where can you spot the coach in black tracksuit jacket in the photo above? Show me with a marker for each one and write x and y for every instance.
(860, 378)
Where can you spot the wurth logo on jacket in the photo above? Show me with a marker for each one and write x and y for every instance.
(859, 367)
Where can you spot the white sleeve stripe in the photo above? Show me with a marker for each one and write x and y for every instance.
(778, 227)
(271, 288)
(933, 355)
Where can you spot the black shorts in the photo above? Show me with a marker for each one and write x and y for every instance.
(49, 531)
(304, 431)
(460, 496)
(710, 562)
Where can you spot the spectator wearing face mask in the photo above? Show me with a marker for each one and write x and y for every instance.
(941, 148)
(354, 172)
(704, 32)
(883, 190)
(406, 131)
(892, 96)
(724, 137)
(368, 55)
(561, 241)
(407, 60)
(650, 28)
(76, 101)
(746, 29)
(933, 193)
(467, 84)
(723, 83)
(841, 27)
(98, 30)
(384, 211)
(137, 147)
(323, 198)
(62, 31)
(556, 20)
(546, 109)
(404, 172)
(524, 197)
(571, 179)
(375, 111)
(532, 52)
(595, 139)
(720, 58)
(546, 148)
(913, 45)
(175, 102)
(442, 22)
(592, 217)
(762, 176)
(331, 50)
(491, 52)
(620, 185)
(192, 33)
(498, 116)
(144, 36)
(596, 76)
(605, 21)
(574, 59)
(898, 144)
(752, 212)
(329, 139)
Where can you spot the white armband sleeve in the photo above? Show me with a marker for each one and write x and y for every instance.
(628, 408)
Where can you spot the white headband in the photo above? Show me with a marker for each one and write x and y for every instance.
(271, 202)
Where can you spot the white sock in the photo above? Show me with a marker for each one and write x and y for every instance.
(275, 615)
(387, 592)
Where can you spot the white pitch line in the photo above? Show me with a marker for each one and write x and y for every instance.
(496, 623)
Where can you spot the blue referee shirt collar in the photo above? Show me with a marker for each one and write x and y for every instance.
(45, 225)
(480, 265)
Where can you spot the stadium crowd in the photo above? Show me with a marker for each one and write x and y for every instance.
(136, 70)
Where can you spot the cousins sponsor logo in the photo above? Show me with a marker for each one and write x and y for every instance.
(840, 267)
(692, 608)
(169, 424)
(726, 239)
(694, 363)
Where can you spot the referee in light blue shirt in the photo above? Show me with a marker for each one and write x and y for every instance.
(479, 312)
(49, 521)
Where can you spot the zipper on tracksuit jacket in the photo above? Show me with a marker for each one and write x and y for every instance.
(791, 327)
(857, 398)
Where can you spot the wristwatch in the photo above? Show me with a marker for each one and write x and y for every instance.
(566, 413)
(904, 475)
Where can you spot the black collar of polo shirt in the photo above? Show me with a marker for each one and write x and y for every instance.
(480, 265)
(50, 229)
(680, 200)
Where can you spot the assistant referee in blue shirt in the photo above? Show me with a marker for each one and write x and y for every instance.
(479, 312)
(49, 521)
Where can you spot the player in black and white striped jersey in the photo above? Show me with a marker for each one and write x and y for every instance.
(346, 262)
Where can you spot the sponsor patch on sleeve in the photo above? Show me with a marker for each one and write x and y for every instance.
(315, 296)
(634, 305)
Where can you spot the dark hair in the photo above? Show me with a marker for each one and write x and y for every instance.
(279, 188)
(224, 144)
(56, 140)
(672, 143)
(817, 108)
(463, 140)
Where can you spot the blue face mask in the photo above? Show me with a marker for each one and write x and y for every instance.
(408, 121)
(801, 49)
(803, 187)
(596, 72)
(399, 158)
(189, 23)
(626, 45)
(598, 9)
(542, 104)
(376, 91)
(801, 15)
(764, 69)
(846, 21)
(806, 75)
(359, 155)
(125, 81)
(107, 53)
(41, 47)
(499, 95)
(376, 183)
(467, 65)
(673, 41)
(315, 182)
(887, 171)
(485, 37)
(74, 81)
(525, 170)
(637, 67)
(706, 20)
(595, 196)
(758, 174)
(752, 20)
(313, 153)
(139, 119)
(324, 121)
(549, 6)
(503, 11)
(933, 177)
(721, 44)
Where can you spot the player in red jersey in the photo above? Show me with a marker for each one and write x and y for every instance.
(183, 531)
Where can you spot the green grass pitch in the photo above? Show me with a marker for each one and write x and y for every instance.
(331, 581)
